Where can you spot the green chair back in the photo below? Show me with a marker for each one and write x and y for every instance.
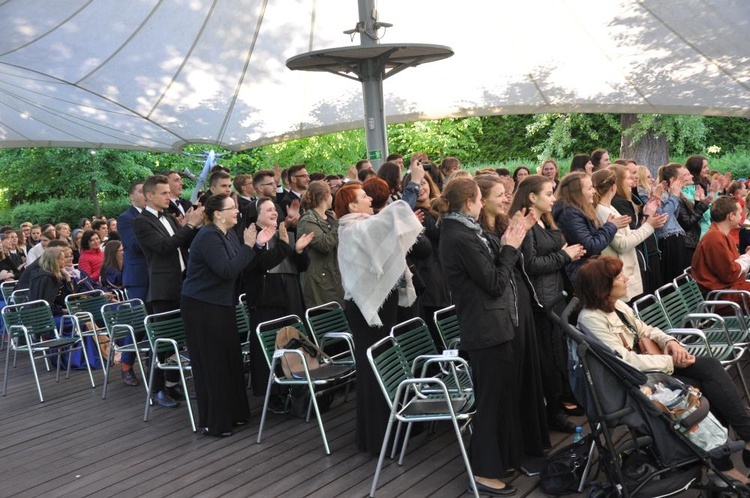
(36, 316)
(672, 303)
(390, 366)
(326, 318)
(267, 333)
(446, 321)
(7, 288)
(414, 339)
(131, 312)
(689, 292)
(87, 302)
(243, 320)
(167, 325)
(649, 310)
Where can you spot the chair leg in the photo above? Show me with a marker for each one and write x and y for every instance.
(465, 457)
(88, 364)
(148, 391)
(265, 404)
(317, 414)
(36, 375)
(106, 367)
(187, 400)
(7, 369)
(383, 450)
(406, 443)
(395, 440)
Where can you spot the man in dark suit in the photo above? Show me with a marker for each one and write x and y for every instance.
(299, 179)
(177, 205)
(164, 243)
(134, 269)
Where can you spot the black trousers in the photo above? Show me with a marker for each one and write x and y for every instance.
(492, 370)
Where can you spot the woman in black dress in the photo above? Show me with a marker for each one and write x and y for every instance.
(372, 260)
(208, 311)
(272, 282)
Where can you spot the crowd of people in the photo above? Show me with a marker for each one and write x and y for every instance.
(401, 242)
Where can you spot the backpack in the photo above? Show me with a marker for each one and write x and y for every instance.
(291, 363)
(564, 469)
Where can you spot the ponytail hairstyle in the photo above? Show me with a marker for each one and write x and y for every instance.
(532, 184)
(570, 193)
(603, 181)
(316, 193)
(455, 195)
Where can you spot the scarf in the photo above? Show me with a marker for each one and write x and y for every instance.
(372, 257)
(469, 223)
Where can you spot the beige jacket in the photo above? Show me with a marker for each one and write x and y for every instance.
(623, 247)
(609, 329)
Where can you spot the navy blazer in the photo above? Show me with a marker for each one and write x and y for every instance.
(162, 259)
(134, 268)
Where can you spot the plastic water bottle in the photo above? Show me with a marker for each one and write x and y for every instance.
(578, 435)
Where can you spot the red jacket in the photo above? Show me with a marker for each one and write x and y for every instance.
(91, 262)
(714, 264)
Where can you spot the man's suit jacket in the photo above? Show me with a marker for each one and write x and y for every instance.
(173, 209)
(160, 249)
(134, 268)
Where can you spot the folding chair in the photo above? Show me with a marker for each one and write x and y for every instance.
(125, 320)
(327, 376)
(33, 323)
(166, 334)
(87, 306)
(409, 402)
(446, 321)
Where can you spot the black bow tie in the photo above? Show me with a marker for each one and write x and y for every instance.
(159, 214)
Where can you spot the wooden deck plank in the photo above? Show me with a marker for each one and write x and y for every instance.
(76, 444)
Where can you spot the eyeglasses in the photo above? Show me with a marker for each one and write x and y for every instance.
(227, 209)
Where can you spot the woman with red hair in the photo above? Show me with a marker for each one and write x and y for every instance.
(372, 260)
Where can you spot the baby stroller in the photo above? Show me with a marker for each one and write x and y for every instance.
(655, 458)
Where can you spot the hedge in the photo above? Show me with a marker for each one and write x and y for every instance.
(65, 210)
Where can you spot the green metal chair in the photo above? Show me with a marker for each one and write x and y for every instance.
(87, 306)
(409, 402)
(6, 289)
(125, 320)
(31, 329)
(166, 334)
(318, 381)
(446, 321)
(329, 328)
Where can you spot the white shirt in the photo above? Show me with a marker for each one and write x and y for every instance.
(163, 220)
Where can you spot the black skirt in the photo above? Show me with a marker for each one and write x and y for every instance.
(216, 357)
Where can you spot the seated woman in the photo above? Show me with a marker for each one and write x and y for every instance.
(111, 272)
(50, 281)
(92, 257)
(601, 284)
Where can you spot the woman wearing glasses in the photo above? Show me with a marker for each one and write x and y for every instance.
(217, 258)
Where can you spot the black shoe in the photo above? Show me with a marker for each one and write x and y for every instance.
(163, 399)
(221, 434)
(239, 423)
(508, 490)
(508, 474)
(176, 391)
(129, 378)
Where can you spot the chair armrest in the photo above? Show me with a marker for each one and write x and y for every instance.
(744, 295)
(345, 336)
(685, 332)
(708, 316)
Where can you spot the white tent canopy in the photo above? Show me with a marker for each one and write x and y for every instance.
(159, 74)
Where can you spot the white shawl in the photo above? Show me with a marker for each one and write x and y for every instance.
(372, 257)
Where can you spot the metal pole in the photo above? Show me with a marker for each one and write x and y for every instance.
(371, 73)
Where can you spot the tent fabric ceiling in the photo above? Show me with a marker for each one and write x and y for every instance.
(160, 74)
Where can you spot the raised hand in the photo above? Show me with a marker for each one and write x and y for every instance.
(283, 235)
(292, 213)
(420, 215)
(657, 220)
(277, 173)
(651, 206)
(249, 235)
(265, 235)
(576, 251)
(620, 221)
(303, 242)
(195, 216)
(519, 224)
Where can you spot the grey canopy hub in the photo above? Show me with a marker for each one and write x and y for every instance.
(370, 63)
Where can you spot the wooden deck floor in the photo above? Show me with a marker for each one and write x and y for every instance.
(76, 444)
